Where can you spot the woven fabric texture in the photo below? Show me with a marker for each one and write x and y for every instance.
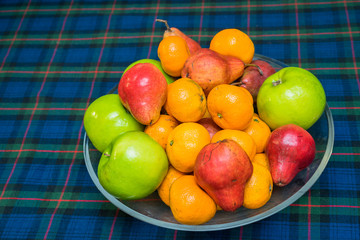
(58, 56)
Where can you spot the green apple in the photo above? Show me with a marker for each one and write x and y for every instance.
(133, 166)
(291, 95)
(156, 63)
(106, 118)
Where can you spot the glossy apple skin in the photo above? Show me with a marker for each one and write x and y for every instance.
(106, 118)
(291, 95)
(133, 166)
(142, 90)
(252, 79)
(222, 170)
(156, 63)
(290, 149)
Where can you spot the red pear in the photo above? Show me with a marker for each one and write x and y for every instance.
(253, 78)
(290, 149)
(209, 69)
(222, 170)
(142, 90)
(172, 31)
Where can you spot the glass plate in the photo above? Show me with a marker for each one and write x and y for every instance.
(152, 210)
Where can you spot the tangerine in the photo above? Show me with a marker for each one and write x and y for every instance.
(160, 130)
(189, 203)
(184, 143)
(241, 137)
(173, 52)
(231, 107)
(186, 100)
(261, 158)
(260, 132)
(258, 189)
(164, 188)
(233, 42)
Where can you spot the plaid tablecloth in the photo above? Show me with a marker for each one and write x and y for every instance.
(57, 56)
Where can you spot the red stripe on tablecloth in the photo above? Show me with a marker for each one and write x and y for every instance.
(15, 35)
(344, 107)
(201, 20)
(54, 200)
(56, 72)
(80, 130)
(248, 17)
(352, 44)
(241, 233)
(46, 74)
(299, 63)
(336, 68)
(3, 62)
(36, 104)
(298, 32)
(43, 109)
(80, 39)
(153, 29)
(309, 214)
(175, 235)
(182, 7)
(323, 205)
(100, 56)
(346, 154)
(113, 223)
(160, 36)
(39, 150)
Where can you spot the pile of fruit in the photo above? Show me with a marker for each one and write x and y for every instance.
(209, 129)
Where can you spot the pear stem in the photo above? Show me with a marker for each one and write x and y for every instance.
(106, 154)
(254, 65)
(236, 83)
(166, 24)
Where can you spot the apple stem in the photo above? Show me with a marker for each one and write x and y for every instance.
(106, 154)
(166, 24)
(254, 65)
(275, 83)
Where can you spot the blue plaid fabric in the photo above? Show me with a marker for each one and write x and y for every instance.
(58, 56)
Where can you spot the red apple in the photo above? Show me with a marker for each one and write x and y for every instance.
(290, 149)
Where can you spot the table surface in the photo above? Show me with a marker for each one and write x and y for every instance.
(56, 57)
